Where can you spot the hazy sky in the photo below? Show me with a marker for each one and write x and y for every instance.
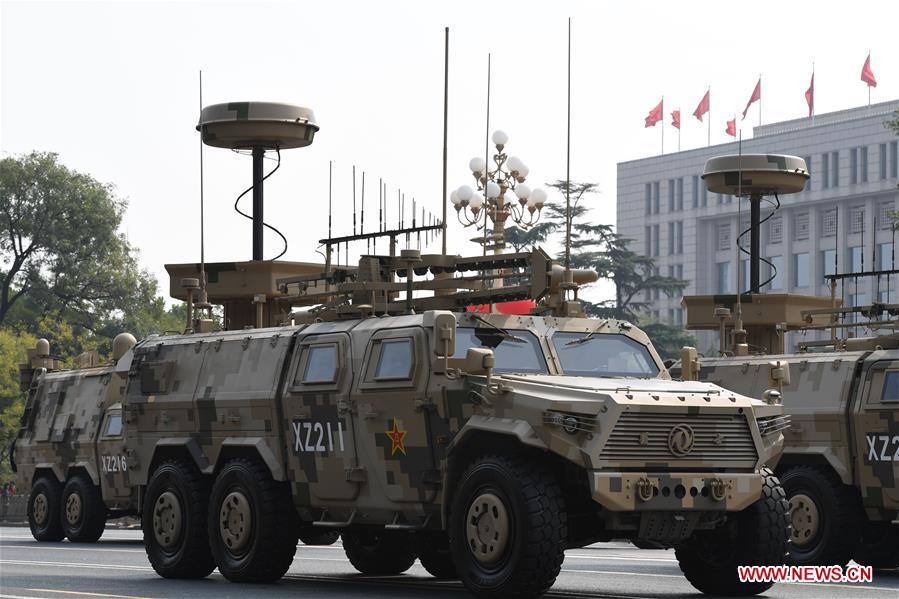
(112, 87)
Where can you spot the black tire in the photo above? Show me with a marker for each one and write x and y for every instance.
(434, 553)
(379, 552)
(757, 536)
(519, 496)
(83, 514)
(318, 536)
(252, 523)
(43, 510)
(879, 547)
(174, 521)
(825, 516)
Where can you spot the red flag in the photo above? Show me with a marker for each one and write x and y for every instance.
(810, 96)
(756, 95)
(868, 74)
(655, 115)
(732, 127)
(675, 119)
(703, 107)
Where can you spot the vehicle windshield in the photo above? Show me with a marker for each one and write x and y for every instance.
(518, 353)
(603, 355)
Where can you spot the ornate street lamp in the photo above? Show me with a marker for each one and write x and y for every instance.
(501, 193)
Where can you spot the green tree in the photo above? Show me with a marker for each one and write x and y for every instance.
(894, 123)
(668, 340)
(60, 246)
(13, 351)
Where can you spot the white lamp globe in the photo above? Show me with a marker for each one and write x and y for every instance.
(476, 165)
(454, 198)
(500, 138)
(510, 196)
(514, 164)
(523, 171)
(522, 191)
(531, 203)
(464, 193)
(492, 190)
(539, 197)
(476, 201)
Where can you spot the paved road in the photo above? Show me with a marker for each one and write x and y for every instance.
(117, 567)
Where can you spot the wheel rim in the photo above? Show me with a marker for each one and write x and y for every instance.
(73, 509)
(805, 518)
(167, 520)
(235, 521)
(487, 528)
(40, 509)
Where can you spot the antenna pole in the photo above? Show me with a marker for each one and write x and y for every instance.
(354, 199)
(445, 114)
(328, 247)
(568, 161)
(487, 156)
(203, 298)
(258, 156)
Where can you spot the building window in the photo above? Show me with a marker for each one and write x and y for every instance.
(884, 216)
(724, 236)
(744, 276)
(724, 278)
(648, 199)
(655, 197)
(825, 170)
(835, 168)
(655, 240)
(679, 316)
(680, 194)
(857, 219)
(829, 223)
(883, 161)
(894, 159)
(856, 259)
(776, 273)
(671, 205)
(808, 165)
(853, 166)
(800, 226)
(703, 195)
(887, 297)
(648, 232)
(679, 229)
(856, 299)
(655, 292)
(695, 191)
(775, 230)
(863, 164)
(800, 270)
(679, 272)
(885, 256)
(672, 238)
(828, 263)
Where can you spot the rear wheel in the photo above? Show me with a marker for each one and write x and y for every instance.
(879, 547)
(434, 554)
(379, 552)
(43, 510)
(757, 536)
(83, 511)
(174, 522)
(824, 516)
(508, 528)
(252, 523)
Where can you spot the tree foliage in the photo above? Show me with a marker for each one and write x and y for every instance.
(667, 339)
(893, 124)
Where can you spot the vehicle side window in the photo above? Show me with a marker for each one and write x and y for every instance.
(321, 364)
(890, 386)
(394, 360)
(113, 425)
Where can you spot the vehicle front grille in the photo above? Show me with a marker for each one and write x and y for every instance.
(644, 437)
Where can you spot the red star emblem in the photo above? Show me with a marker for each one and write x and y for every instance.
(396, 439)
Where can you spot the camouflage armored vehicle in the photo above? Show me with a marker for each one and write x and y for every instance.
(840, 467)
(70, 448)
(485, 445)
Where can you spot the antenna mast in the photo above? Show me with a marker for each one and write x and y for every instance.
(445, 113)
(568, 164)
(203, 298)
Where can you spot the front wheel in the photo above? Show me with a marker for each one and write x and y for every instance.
(174, 522)
(757, 536)
(508, 528)
(43, 510)
(252, 523)
(83, 510)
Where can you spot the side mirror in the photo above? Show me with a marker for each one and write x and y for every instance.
(443, 325)
(479, 360)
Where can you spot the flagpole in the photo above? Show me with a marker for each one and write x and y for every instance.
(663, 124)
(813, 93)
(868, 84)
(708, 91)
(678, 130)
(760, 99)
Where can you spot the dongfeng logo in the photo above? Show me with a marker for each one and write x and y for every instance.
(680, 440)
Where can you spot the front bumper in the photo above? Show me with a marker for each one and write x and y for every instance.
(686, 491)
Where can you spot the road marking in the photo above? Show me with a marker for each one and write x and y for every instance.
(17, 562)
(86, 594)
(89, 550)
(626, 558)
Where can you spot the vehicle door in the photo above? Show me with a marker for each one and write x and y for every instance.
(392, 424)
(876, 429)
(322, 461)
(112, 467)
